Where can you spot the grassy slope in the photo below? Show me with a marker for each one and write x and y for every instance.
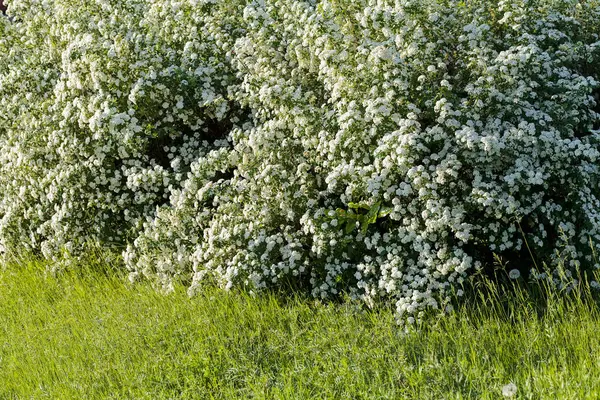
(91, 336)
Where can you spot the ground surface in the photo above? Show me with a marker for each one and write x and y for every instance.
(89, 335)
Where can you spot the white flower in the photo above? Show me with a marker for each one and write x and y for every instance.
(509, 390)
(514, 274)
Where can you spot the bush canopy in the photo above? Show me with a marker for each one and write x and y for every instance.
(386, 149)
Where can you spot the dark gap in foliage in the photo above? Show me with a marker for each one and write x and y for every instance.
(596, 109)
(224, 175)
(212, 130)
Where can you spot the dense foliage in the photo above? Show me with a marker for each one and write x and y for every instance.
(385, 148)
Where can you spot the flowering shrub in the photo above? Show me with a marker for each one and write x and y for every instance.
(106, 105)
(386, 149)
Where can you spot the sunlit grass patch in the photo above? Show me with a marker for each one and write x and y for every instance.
(84, 334)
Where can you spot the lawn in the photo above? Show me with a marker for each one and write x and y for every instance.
(86, 334)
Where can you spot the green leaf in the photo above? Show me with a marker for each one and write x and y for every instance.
(385, 211)
(373, 212)
(350, 226)
(363, 229)
(356, 206)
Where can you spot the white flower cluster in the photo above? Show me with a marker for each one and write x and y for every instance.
(105, 106)
(383, 148)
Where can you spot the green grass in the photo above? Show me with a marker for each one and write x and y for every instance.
(89, 335)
